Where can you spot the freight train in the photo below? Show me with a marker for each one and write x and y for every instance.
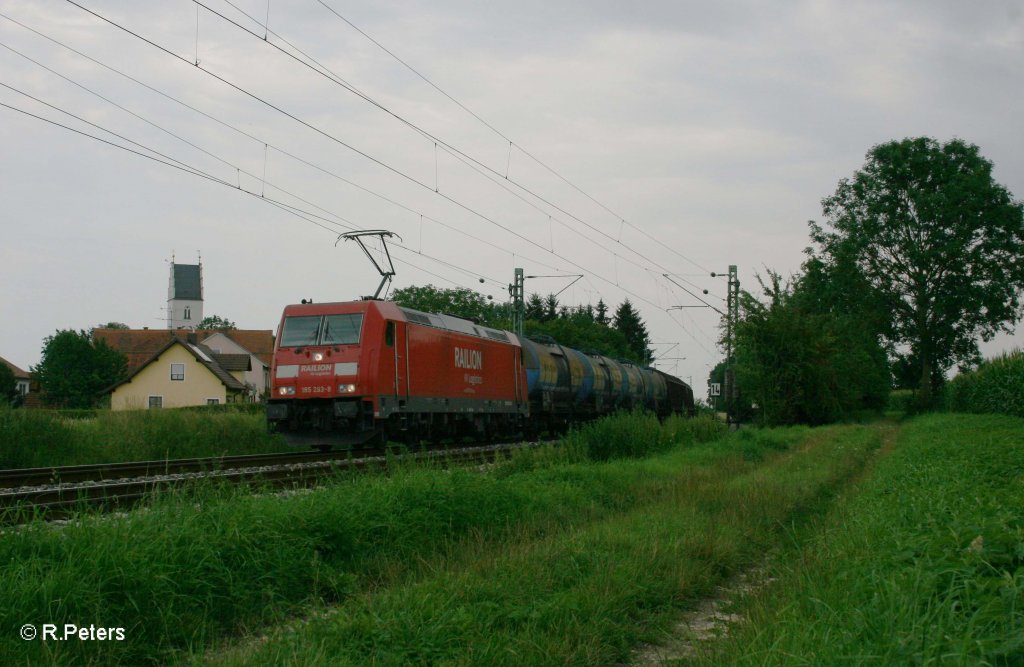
(369, 371)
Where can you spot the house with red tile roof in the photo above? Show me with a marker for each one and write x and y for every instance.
(22, 378)
(180, 374)
(229, 357)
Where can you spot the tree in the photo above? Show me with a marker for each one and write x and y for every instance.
(534, 307)
(627, 321)
(75, 369)
(601, 313)
(460, 302)
(550, 308)
(8, 386)
(940, 242)
(113, 325)
(578, 330)
(215, 323)
(808, 354)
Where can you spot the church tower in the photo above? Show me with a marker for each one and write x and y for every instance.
(185, 295)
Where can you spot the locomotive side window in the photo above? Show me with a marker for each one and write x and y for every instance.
(389, 334)
(342, 329)
(300, 331)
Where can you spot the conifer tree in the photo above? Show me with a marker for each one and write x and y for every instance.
(628, 322)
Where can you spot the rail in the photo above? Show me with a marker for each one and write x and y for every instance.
(60, 492)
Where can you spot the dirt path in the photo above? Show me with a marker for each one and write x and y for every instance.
(711, 620)
(708, 622)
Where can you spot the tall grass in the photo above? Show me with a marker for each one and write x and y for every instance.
(924, 566)
(37, 438)
(996, 386)
(547, 563)
(632, 434)
(211, 562)
(585, 594)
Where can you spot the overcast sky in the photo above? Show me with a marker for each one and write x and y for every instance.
(647, 138)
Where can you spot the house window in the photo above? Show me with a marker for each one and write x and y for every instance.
(213, 401)
(156, 402)
(188, 313)
(177, 371)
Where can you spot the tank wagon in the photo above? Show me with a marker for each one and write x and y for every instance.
(354, 372)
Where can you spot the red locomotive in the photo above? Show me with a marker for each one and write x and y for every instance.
(352, 372)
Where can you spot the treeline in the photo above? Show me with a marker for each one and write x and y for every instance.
(917, 261)
(621, 334)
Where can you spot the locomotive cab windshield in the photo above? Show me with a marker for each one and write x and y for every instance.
(303, 330)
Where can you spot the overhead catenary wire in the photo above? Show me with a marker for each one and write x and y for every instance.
(506, 138)
(488, 172)
(347, 86)
(305, 215)
(578, 266)
(257, 140)
(318, 130)
(166, 160)
(341, 142)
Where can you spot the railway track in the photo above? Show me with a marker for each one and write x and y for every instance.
(59, 492)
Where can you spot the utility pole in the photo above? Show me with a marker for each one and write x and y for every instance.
(515, 290)
(732, 317)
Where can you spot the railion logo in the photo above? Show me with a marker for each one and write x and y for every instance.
(471, 359)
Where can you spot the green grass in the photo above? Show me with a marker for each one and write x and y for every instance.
(551, 559)
(623, 435)
(196, 568)
(588, 592)
(37, 438)
(210, 562)
(924, 565)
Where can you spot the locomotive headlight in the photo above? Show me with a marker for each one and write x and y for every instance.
(346, 388)
(318, 356)
(286, 391)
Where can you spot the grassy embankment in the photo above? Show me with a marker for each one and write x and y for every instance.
(590, 591)
(37, 438)
(924, 565)
(551, 559)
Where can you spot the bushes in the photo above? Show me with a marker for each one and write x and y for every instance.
(625, 435)
(996, 386)
(901, 400)
(638, 433)
(803, 361)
